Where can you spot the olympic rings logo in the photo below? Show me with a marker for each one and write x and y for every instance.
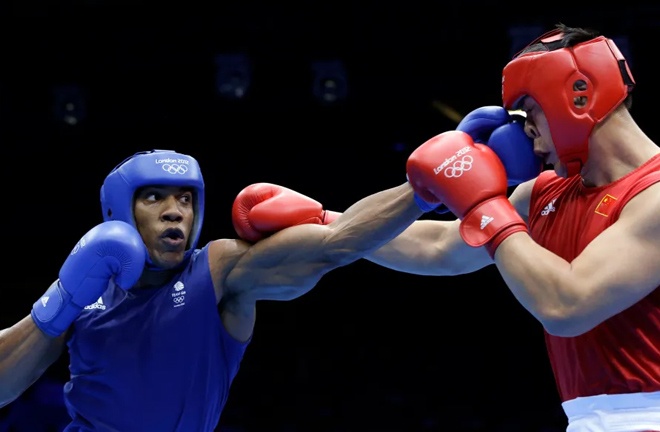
(459, 167)
(178, 299)
(81, 244)
(175, 168)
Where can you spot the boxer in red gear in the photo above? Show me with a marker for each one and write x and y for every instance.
(586, 264)
(586, 267)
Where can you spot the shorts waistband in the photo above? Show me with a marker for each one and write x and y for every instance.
(589, 404)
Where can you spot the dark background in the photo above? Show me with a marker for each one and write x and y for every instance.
(369, 348)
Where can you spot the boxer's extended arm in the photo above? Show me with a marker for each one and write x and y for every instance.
(427, 247)
(616, 270)
(25, 354)
(433, 248)
(436, 248)
(289, 263)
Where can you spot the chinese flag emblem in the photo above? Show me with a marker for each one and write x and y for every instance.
(604, 206)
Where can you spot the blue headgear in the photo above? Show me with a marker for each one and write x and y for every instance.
(152, 168)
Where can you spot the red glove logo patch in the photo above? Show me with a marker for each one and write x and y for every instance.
(459, 167)
(454, 167)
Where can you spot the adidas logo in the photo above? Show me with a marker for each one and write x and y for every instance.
(549, 208)
(44, 301)
(485, 220)
(98, 304)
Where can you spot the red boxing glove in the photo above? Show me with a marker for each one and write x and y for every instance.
(471, 181)
(262, 209)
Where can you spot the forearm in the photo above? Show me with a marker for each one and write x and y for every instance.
(25, 353)
(433, 248)
(381, 216)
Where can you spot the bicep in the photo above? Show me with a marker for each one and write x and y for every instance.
(620, 266)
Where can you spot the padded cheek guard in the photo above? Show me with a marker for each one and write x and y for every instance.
(151, 168)
(550, 76)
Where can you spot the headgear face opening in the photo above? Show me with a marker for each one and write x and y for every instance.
(557, 78)
(151, 168)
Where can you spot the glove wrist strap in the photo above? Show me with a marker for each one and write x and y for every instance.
(490, 222)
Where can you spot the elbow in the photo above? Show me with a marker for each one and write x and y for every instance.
(560, 328)
(7, 397)
(568, 315)
(338, 252)
(565, 325)
(341, 257)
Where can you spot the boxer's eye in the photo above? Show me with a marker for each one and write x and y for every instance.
(151, 196)
(186, 198)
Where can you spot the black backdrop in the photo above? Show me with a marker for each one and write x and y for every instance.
(369, 348)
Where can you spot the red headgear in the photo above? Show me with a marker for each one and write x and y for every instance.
(549, 77)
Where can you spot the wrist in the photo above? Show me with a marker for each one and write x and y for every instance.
(492, 245)
(329, 216)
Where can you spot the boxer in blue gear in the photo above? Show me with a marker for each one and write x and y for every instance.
(156, 326)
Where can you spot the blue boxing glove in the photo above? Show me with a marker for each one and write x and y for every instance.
(110, 249)
(504, 133)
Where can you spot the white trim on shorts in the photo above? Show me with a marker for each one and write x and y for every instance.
(631, 412)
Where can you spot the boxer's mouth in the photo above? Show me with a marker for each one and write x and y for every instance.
(173, 234)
